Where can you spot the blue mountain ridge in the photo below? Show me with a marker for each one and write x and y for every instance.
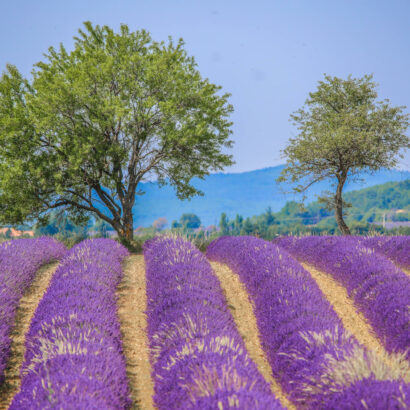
(245, 193)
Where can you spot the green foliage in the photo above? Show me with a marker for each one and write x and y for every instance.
(343, 131)
(70, 240)
(383, 196)
(101, 227)
(400, 217)
(223, 224)
(187, 222)
(95, 122)
(190, 221)
(368, 205)
(175, 225)
(247, 227)
(314, 219)
(238, 222)
(202, 241)
(136, 245)
(59, 223)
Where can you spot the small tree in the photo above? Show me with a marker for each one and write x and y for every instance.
(268, 217)
(343, 131)
(175, 225)
(237, 224)
(94, 123)
(247, 227)
(59, 223)
(224, 224)
(101, 227)
(190, 221)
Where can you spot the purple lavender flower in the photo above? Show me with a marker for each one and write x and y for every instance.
(379, 289)
(19, 261)
(303, 338)
(199, 359)
(73, 348)
(396, 248)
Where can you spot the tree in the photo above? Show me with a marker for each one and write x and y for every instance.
(237, 224)
(190, 221)
(101, 227)
(8, 234)
(59, 223)
(94, 123)
(223, 224)
(175, 225)
(247, 227)
(268, 217)
(343, 131)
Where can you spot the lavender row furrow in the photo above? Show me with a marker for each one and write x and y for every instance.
(380, 290)
(19, 261)
(198, 358)
(396, 248)
(309, 351)
(73, 348)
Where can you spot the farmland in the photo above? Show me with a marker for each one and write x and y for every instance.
(298, 323)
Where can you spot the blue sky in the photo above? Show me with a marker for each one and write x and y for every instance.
(268, 54)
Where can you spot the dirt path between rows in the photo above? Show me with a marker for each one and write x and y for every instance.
(132, 303)
(352, 319)
(243, 314)
(25, 311)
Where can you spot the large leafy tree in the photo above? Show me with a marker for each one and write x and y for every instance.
(94, 123)
(343, 131)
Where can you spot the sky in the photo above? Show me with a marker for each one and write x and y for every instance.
(268, 54)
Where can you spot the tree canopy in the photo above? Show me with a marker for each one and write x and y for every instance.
(94, 122)
(343, 131)
(190, 221)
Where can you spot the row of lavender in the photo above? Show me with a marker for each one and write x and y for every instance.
(396, 248)
(199, 360)
(317, 362)
(379, 289)
(19, 261)
(73, 349)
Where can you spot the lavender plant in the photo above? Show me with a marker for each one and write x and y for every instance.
(73, 348)
(378, 288)
(199, 359)
(315, 359)
(396, 248)
(19, 261)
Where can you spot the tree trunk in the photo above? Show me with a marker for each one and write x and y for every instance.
(339, 205)
(126, 233)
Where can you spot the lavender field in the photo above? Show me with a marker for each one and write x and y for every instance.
(332, 321)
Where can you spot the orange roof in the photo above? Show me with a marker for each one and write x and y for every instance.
(15, 232)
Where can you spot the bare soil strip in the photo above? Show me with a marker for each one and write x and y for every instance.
(25, 311)
(406, 271)
(352, 319)
(243, 314)
(132, 303)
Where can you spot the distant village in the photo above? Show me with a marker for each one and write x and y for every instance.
(15, 233)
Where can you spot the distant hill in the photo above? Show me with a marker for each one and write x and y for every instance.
(246, 193)
(389, 202)
(391, 195)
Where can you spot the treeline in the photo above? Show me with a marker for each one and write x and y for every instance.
(377, 204)
(364, 209)
(369, 208)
